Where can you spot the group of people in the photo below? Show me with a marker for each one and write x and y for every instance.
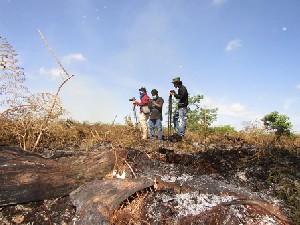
(151, 111)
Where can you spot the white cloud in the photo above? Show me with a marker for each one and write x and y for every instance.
(73, 57)
(298, 86)
(237, 107)
(233, 44)
(57, 72)
(234, 109)
(284, 29)
(234, 114)
(218, 2)
(53, 73)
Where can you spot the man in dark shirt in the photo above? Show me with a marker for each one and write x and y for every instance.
(155, 119)
(181, 115)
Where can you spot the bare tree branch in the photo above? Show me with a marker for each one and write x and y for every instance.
(50, 112)
(50, 49)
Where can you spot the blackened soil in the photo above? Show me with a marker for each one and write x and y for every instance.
(275, 172)
(55, 211)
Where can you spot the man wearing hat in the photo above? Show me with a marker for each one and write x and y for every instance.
(155, 119)
(144, 111)
(181, 115)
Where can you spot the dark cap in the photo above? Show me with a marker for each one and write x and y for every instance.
(176, 80)
(143, 89)
(154, 92)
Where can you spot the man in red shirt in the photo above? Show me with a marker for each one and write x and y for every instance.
(144, 111)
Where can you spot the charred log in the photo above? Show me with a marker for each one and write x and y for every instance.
(96, 201)
(25, 176)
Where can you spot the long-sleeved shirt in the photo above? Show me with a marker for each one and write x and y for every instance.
(144, 101)
(183, 96)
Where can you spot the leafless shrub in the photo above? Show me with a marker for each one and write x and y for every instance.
(12, 77)
(30, 113)
(32, 118)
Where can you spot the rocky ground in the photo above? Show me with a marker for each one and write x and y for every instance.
(216, 186)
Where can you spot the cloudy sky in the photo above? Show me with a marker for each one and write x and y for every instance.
(243, 56)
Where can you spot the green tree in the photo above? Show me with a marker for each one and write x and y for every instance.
(224, 129)
(193, 112)
(207, 117)
(278, 122)
(197, 117)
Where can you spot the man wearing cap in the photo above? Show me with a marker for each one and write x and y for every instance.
(144, 113)
(155, 119)
(181, 115)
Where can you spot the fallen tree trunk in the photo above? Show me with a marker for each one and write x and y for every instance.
(28, 177)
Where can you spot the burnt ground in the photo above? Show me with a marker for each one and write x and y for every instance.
(215, 186)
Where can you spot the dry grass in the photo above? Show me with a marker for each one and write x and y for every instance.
(68, 134)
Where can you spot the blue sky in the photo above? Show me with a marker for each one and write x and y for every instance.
(242, 55)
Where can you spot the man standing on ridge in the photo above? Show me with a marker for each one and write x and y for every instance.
(181, 115)
(155, 119)
(144, 111)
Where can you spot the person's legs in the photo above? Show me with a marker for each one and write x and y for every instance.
(181, 121)
(175, 121)
(159, 129)
(151, 124)
(143, 120)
